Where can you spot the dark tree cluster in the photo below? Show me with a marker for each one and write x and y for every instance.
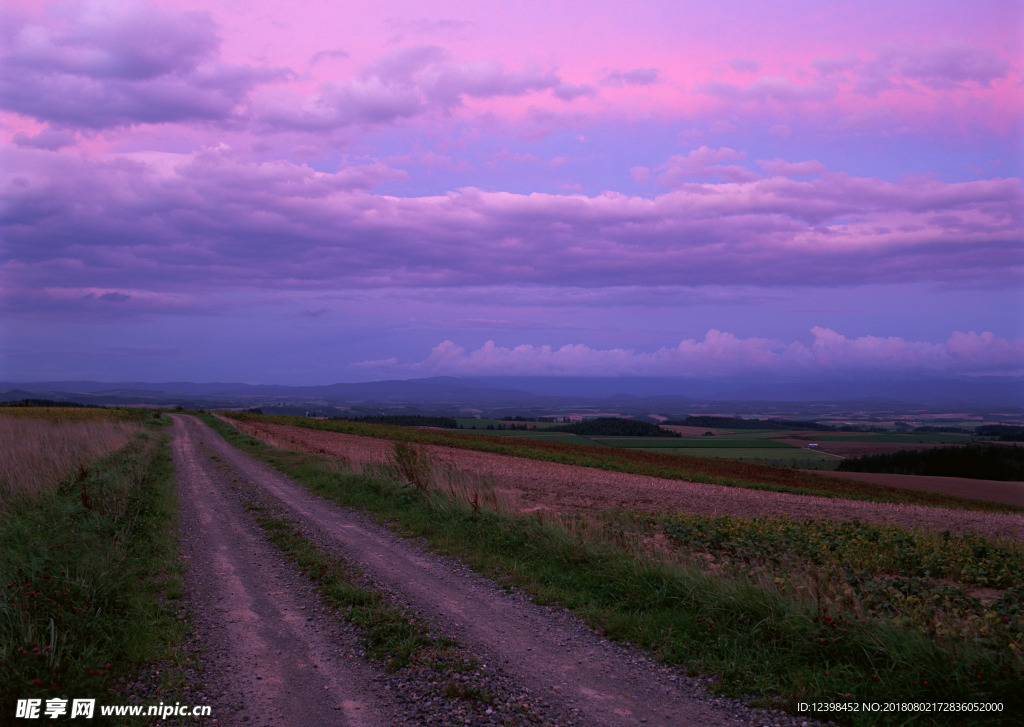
(976, 461)
(48, 403)
(1002, 432)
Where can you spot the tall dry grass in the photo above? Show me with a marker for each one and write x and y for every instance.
(37, 453)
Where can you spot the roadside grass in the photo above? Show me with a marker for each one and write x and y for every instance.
(655, 464)
(43, 445)
(781, 627)
(78, 413)
(89, 573)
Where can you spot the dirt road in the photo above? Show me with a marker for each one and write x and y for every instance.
(281, 661)
(265, 662)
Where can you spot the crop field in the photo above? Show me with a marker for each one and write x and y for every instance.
(773, 456)
(658, 464)
(772, 447)
(650, 443)
(545, 437)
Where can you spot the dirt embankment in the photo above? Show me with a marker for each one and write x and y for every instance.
(532, 484)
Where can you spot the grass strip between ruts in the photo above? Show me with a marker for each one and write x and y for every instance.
(778, 648)
(391, 636)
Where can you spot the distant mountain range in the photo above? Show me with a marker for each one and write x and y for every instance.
(493, 395)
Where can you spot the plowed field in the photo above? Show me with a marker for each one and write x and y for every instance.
(533, 485)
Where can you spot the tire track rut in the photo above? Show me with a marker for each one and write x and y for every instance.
(591, 680)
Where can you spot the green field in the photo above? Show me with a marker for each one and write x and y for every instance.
(890, 437)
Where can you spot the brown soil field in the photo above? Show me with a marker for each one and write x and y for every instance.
(531, 485)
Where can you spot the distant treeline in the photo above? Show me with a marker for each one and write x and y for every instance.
(614, 427)
(977, 461)
(737, 423)
(49, 402)
(406, 420)
(1004, 432)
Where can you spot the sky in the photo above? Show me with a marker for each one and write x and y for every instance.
(319, 192)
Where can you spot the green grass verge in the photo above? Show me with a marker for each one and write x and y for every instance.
(89, 572)
(670, 466)
(777, 643)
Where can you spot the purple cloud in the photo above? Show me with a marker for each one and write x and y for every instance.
(635, 77)
(768, 88)
(829, 66)
(571, 91)
(180, 223)
(953, 66)
(939, 68)
(782, 168)
(408, 82)
(745, 65)
(121, 65)
(325, 54)
(704, 163)
(49, 138)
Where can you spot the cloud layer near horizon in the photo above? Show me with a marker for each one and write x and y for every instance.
(579, 177)
(722, 354)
